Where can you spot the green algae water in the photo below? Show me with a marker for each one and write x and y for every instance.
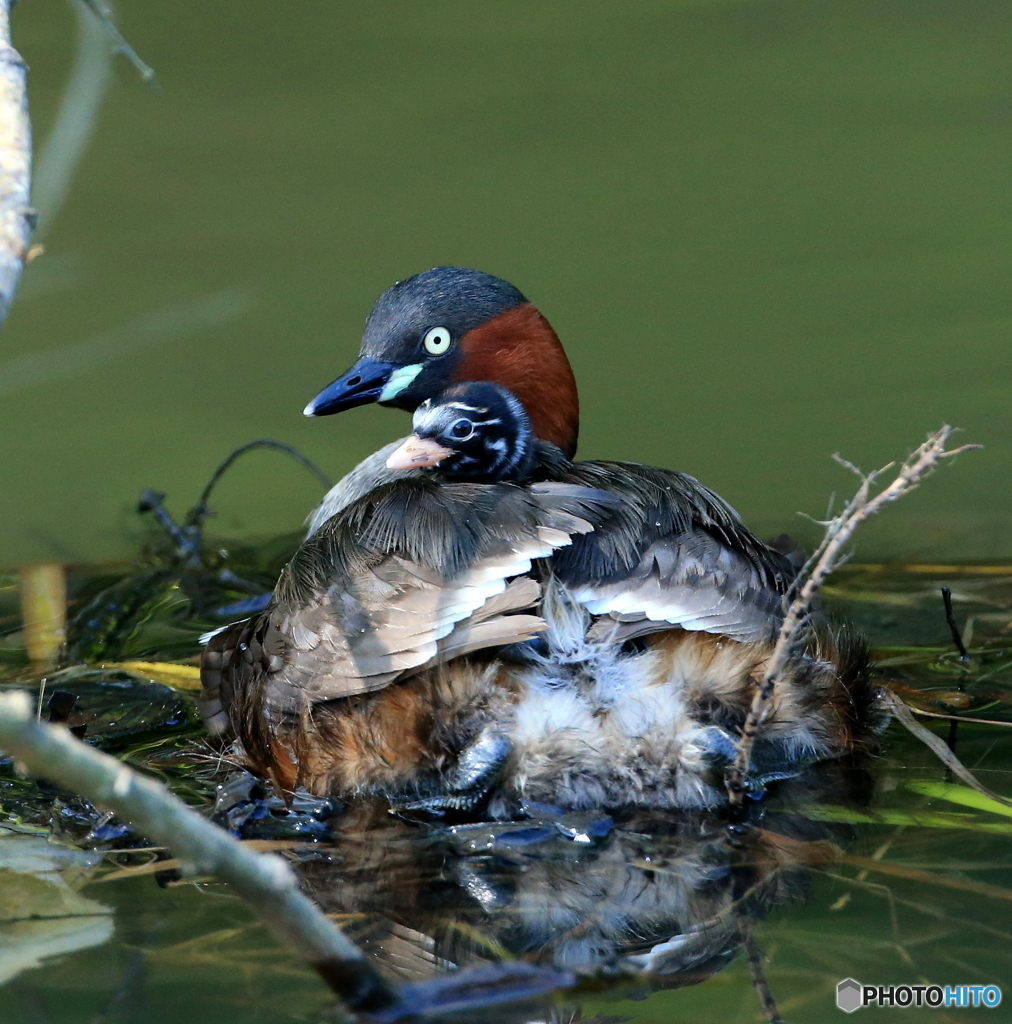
(766, 232)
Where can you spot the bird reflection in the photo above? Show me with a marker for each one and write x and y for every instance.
(643, 900)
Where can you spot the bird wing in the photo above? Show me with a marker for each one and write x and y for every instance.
(691, 581)
(367, 475)
(410, 575)
(673, 554)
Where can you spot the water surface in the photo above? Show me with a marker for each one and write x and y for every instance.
(766, 231)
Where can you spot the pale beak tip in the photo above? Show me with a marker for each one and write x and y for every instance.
(417, 453)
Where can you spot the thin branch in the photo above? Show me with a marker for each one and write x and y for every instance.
(198, 513)
(101, 11)
(17, 218)
(957, 718)
(264, 881)
(826, 558)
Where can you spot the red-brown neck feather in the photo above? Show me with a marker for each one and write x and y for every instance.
(519, 350)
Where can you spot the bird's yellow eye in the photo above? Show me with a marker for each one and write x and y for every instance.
(436, 341)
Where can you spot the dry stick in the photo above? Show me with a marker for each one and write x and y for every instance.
(264, 881)
(826, 558)
(17, 218)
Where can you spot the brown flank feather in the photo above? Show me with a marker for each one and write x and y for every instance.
(399, 742)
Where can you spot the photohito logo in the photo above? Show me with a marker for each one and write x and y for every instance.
(851, 995)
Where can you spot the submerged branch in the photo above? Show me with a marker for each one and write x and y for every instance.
(757, 970)
(939, 747)
(826, 558)
(17, 218)
(264, 881)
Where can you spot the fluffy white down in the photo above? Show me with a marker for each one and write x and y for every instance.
(593, 727)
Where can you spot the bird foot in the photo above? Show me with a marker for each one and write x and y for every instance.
(468, 785)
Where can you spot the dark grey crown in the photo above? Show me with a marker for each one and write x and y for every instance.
(453, 297)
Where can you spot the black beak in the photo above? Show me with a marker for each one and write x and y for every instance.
(361, 385)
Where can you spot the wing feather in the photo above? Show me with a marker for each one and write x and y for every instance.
(411, 574)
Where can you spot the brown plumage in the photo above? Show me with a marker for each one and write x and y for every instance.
(605, 730)
(412, 574)
(520, 350)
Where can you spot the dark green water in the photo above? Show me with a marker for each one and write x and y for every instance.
(766, 231)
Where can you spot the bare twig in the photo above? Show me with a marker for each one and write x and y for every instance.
(264, 881)
(826, 558)
(102, 11)
(17, 218)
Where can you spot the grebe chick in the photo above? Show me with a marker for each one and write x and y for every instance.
(473, 430)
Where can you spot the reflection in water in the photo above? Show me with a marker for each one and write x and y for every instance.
(928, 882)
(75, 119)
(644, 901)
(41, 912)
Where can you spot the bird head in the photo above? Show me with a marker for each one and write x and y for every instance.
(451, 325)
(474, 431)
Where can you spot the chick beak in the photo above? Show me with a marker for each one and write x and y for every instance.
(418, 453)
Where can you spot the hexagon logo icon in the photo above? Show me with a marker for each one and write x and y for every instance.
(848, 995)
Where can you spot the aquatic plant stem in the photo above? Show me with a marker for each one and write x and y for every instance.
(826, 558)
(964, 659)
(17, 218)
(904, 715)
(264, 881)
(44, 612)
(757, 971)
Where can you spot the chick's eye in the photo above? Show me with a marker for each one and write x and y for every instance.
(461, 430)
(436, 341)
